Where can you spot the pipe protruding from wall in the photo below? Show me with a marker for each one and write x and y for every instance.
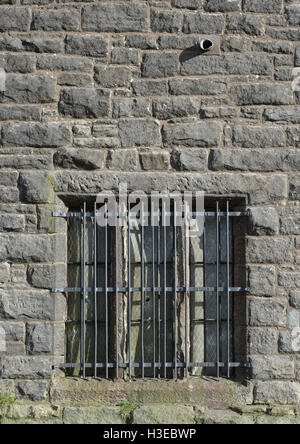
(206, 45)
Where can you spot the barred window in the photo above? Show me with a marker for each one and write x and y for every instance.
(153, 301)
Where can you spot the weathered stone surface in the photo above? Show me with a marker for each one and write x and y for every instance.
(9, 222)
(272, 250)
(160, 64)
(189, 159)
(272, 367)
(221, 5)
(20, 113)
(125, 160)
(290, 225)
(27, 304)
(199, 23)
(155, 160)
(222, 112)
(136, 132)
(289, 280)
(45, 338)
(121, 56)
(282, 115)
(261, 280)
(263, 6)
(262, 341)
(115, 17)
(273, 47)
(263, 221)
(287, 343)
(235, 44)
(167, 108)
(79, 159)
(164, 414)
(32, 248)
(198, 134)
(262, 94)
(25, 366)
(245, 23)
(84, 102)
(39, 135)
(149, 87)
(241, 64)
(55, 20)
(4, 273)
(295, 299)
(7, 388)
(197, 86)
(254, 160)
(63, 63)
(112, 76)
(268, 312)
(71, 79)
(189, 4)
(87, 45)
(36, 187)
(141, 41)
(293, 136)
(165, 21)
(292, 14)
(277, 392)
(18, 63)
(92, 415)
(14, 331)
(29, 89)
(97, 142)
(258, 137)
(131, 107)
(47, 276)
(30, 44)
(32, 390)
(15, 19)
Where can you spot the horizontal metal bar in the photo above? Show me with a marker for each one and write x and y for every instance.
(150, 289)
(157, 365)
(155, 214)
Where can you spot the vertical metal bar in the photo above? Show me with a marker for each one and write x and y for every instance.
(142, 290)
(106, 295)
(175, 290)
(228, 286)
(204, 283)
(83, 291)
(186, 293)
(129, 294)
(165, 289)
(159, 295)
(217, 290)
(95, 292)
(116, 289)
(153, 289)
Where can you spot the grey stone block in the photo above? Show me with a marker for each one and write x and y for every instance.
(272, 251)
(222, 112)
(272, 367)
(14, 331)
(79, 159)
(167, 108)
(222, 5)
(31, 44)
(245, 23)
(282, 115)
(113, 76)
(45, 338)
(47, 275)
(277, 392)
(63, 63)
(262, 94)
(92, 415)
(149, 87)
(263, 221)
(188, 4)
(286, 342)
(25, 366)
(155, 160)
(290, 225)
(87, 45)
(165, 21)
(71, 79)
(18, 63)
(261, 280)
(32, 390)
(7, 388)
(235, 44)
(39, 135)
(198, 134)
(29, 89)
(295, 299)
(115, 17)
(293, 319)
(15, 19)
(263, 6)
(266, 312)
(236, 64)
(197, 86)
(4, 273)
(262, 341)
(12, 222)
(125, 160)
(55, 20)
(289, 279)
(84, 103)
(160, 64)
(199, 23)
(36, 187)
(189, 159)
(292, 15)
(121, 56)
(131, 107)
(293, 136)
(138, 132)
(273, 47)
(164, 414)
(141, 41)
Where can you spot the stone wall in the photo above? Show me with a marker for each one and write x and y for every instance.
(102, 92)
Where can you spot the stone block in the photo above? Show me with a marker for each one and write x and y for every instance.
(38, 135)
(87, 45)
(263, 221)
(272, 251)
(277, 392)
(268, 312)
(138, 132)
(45, 338)
(84, 103)
(197, 134)
(32, 390)
(92, 415)
(272, 367)
(262, 341)
(164, 414)
(55, 20)
(261, 280)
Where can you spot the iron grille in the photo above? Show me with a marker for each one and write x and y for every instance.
(150, 301)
